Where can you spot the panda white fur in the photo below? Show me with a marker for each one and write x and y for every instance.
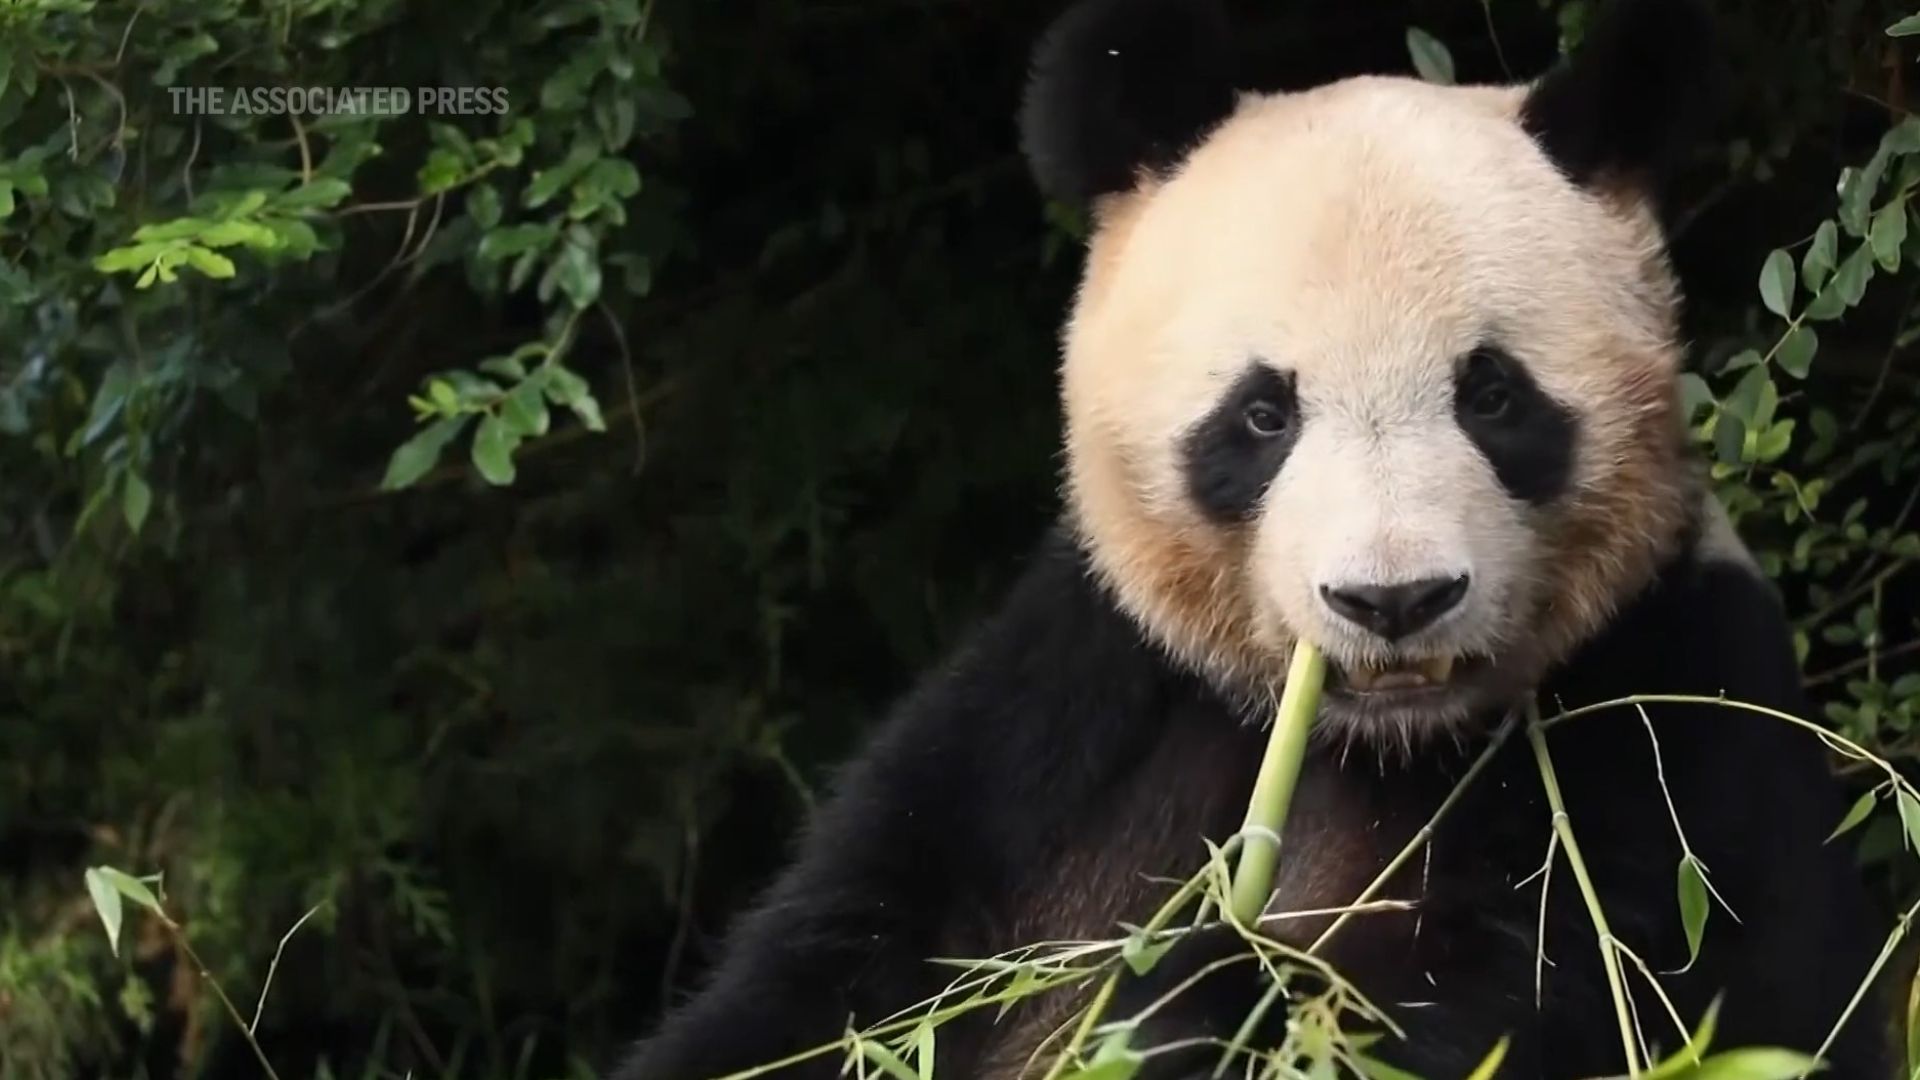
(1392, 366)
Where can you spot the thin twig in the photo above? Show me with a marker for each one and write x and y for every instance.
(1421, 838)
(261, 1005)
(1851, 666)
(1570, 845)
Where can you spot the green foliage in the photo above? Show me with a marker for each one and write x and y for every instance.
(523, 747)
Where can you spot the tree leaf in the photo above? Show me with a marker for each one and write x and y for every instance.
(1906, 27)
(493, 447)
(525, 410)
(1822, 256)
(415, 457)
(136, 499)
(1695, 395)
(1776, 283)
(211, 263)
(1430, 57)
(1854, 274)
(321, 193)
(106, 902)
(1796, 350)
(1889, 231)
(1745, 399)
(1693, 905)
(1729, 438)
(1861, 808)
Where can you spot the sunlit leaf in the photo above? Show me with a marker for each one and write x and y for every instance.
(106, 902)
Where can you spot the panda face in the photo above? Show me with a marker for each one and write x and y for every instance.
(1367, 367)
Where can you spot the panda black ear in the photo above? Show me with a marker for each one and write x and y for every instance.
(1124, 87)
(1641, 86)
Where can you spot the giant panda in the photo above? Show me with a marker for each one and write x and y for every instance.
(1391, 367)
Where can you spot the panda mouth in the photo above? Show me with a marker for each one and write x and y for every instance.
(1403, 677)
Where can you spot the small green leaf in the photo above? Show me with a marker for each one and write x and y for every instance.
(1906, 27)
(1755, 1064)
(1490, 1064)
(1115, 1060)
(1748, 394)
(570, 390)
(106, 901)
(1854, 274)
(514, 240)
(1693, 905)
(923, 1050)
(321, 193)
(1380, 1070)
(1862, 807)
(1688, 1056)
(1430, 57)
(211, 263)
(483, 205)
(1774, 443)
(888, 1061)
(136, 499)
(1910, 817)
(1695, 395)
(1776, 283)
(525, 410)
(493, 447)
(1141, 955)
(1889, 231)
(1821, 257)
(1796, 350)
(1729, 438)
(131, 887)
(414, 458)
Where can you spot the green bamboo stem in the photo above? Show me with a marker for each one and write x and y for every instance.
(1273, 789)
(1570, 847)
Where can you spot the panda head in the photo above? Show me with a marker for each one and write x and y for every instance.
(1387, 365)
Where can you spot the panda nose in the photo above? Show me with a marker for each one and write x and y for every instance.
(1395, 611)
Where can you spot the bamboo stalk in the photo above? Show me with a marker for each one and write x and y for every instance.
(1273, 789)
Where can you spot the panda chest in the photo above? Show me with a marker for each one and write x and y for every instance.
(1150, 827)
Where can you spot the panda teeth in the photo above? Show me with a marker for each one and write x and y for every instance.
(1425, 673)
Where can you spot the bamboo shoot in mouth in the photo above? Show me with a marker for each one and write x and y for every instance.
(1273, 788)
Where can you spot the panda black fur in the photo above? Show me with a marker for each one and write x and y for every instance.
(1108, 716)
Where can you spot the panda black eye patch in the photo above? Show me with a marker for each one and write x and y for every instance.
(1526, 436)
(1237, 449)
